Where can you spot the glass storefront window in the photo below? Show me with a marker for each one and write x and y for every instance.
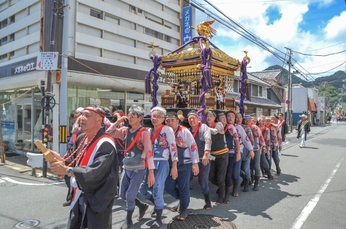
(85, 96)
(22, 111)
(21, 116)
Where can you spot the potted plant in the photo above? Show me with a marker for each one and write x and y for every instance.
(19, 145)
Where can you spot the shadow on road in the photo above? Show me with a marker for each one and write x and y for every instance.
(256, 205)
(287, 155)
(309, 147)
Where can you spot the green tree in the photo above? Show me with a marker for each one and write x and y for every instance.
(332, 94)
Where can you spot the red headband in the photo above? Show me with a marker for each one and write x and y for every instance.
(95, 111)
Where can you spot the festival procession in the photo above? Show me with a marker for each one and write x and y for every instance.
(172, 114)
(194, 133)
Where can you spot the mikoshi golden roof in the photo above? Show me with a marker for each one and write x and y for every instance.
(185, 63)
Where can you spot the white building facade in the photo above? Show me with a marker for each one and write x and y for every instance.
(304, 100)
(107, 48)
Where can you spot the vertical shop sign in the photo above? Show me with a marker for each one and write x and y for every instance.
(186, 25)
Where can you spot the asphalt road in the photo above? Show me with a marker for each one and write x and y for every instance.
(310, 193)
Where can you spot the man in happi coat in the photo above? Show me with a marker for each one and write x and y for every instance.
(93, 171)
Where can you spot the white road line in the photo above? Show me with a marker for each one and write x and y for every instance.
(2, 181)
(24, 183)
(300, 220)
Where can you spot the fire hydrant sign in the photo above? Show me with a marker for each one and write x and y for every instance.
(47, 61)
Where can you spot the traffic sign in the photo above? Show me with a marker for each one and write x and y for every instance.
(47, 61)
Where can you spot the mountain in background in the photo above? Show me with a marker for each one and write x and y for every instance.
(336, 79)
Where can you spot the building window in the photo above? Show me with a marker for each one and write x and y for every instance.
(168, 38)
(112, 19)
(11, 55)
(3, 57)
(3, 41)
(12, 19)
(153, 33)
(3, 24)
(158, 22)
(260, 91)
(269, 95)
(12, 37)
(132, 9)
(254, 90)
(96, 13)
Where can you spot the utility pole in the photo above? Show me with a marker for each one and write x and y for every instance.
(47, 101)
(63, 84)
(289, 100)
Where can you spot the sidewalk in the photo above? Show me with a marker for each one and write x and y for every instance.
(18, 161)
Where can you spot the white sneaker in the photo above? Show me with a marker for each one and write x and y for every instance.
(279, 153)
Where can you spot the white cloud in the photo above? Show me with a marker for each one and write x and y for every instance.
(286, 31)
(336, 27)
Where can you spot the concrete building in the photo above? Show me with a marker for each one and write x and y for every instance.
(107, 54)
(304, 100)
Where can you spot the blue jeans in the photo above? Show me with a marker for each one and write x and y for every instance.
(264, 161)
(245, 165)
(130, 182)
(161, 172)
(180, 188)
(236, 171)
(275, 156)
(230, 169)
(203, 177)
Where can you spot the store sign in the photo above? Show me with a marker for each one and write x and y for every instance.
(186, 32)
(47, 61)
(23, 68)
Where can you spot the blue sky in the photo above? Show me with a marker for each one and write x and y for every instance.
(314, 27)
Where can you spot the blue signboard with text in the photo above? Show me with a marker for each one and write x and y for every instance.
(186, 32)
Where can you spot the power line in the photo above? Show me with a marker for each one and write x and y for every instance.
(330, 54)
(236, 27)
(317, 66)
(318, 73)
(326, 47)
(240, 30)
